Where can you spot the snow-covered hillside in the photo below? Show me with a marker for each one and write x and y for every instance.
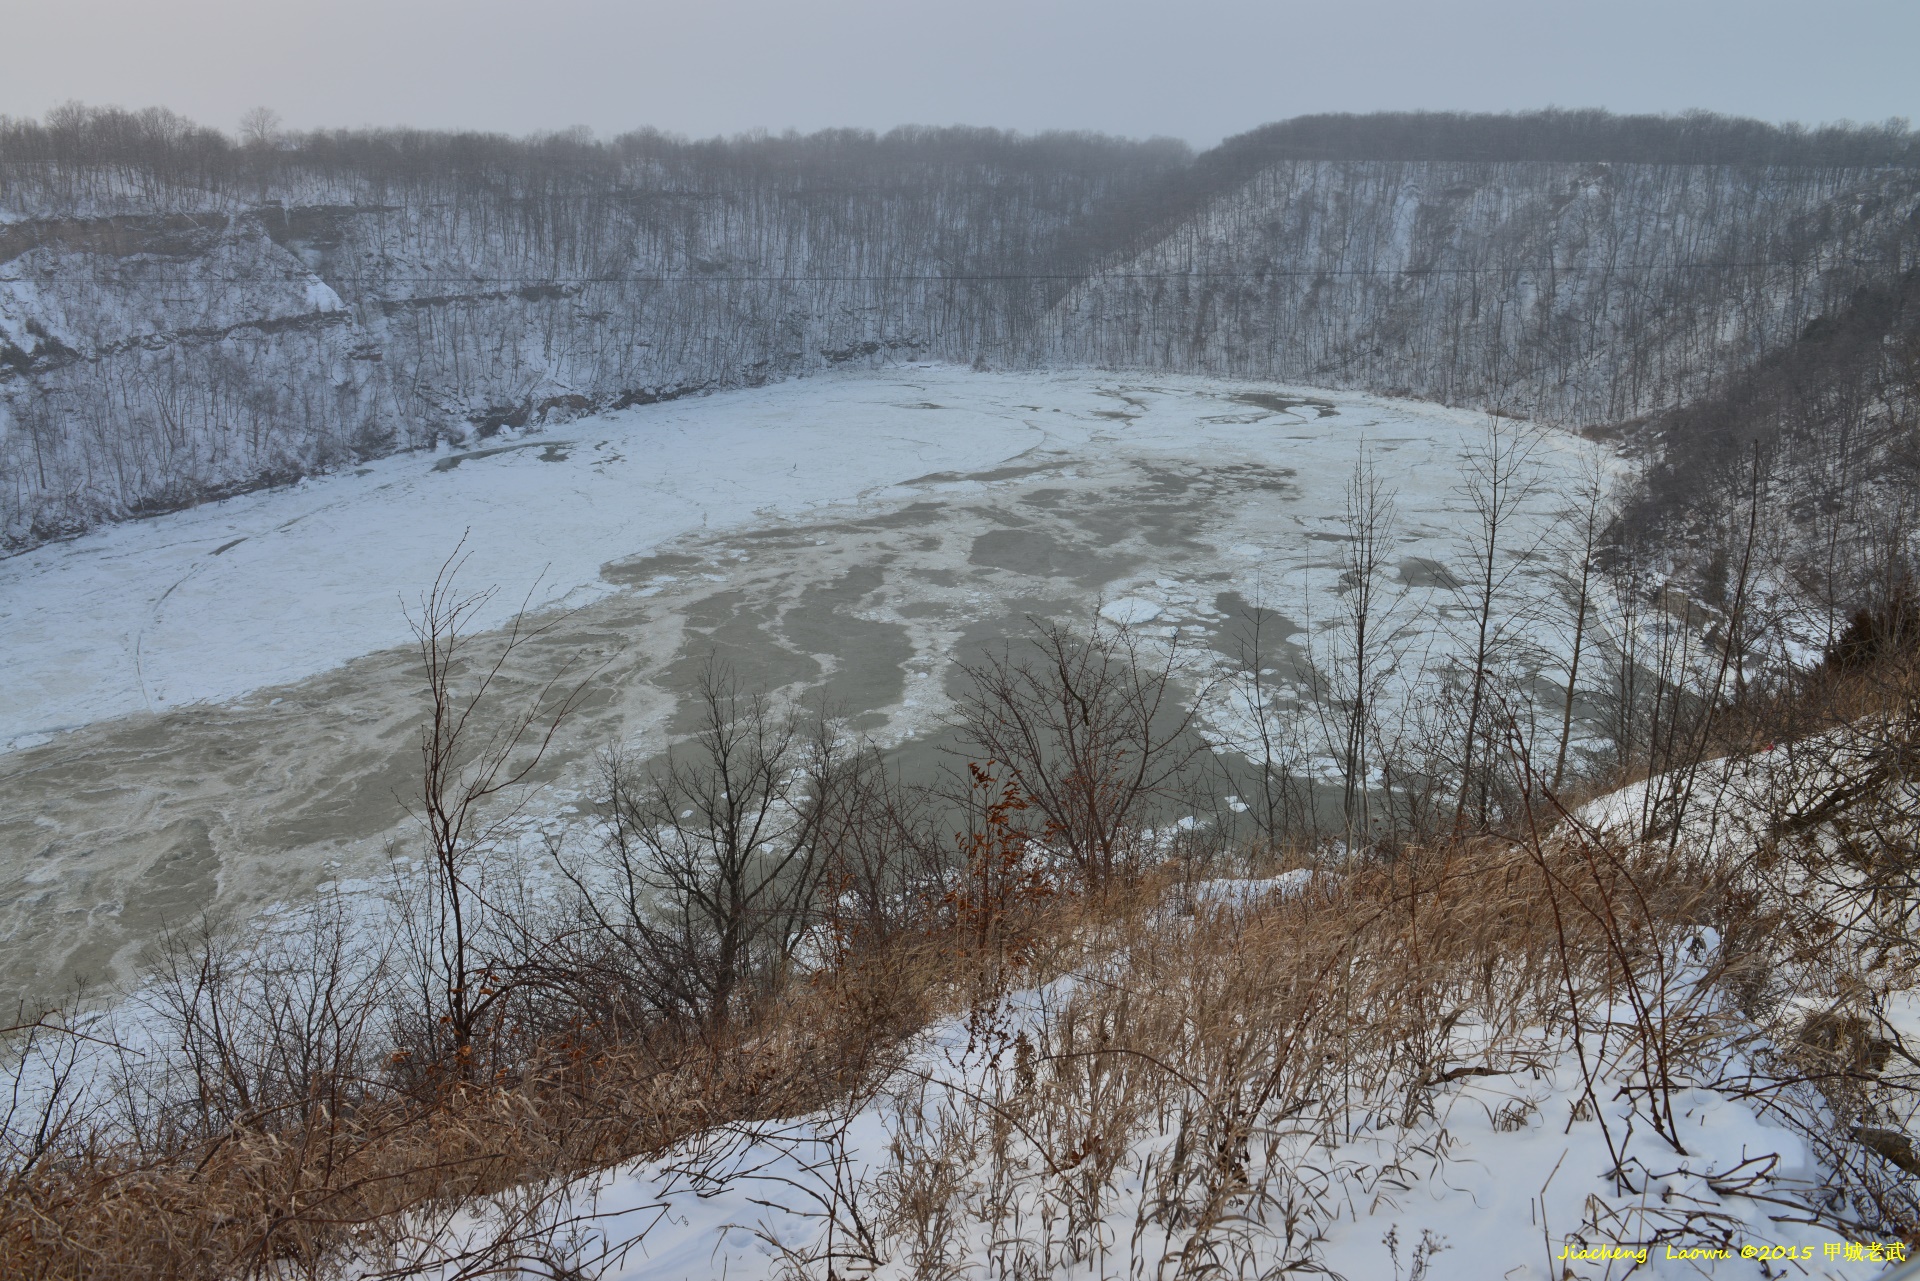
(167, 336)
(1502, 1175)
(1248, 1082)
(1583, 294)
(1225, 1087)
(169, 340)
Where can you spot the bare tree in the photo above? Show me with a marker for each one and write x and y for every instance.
(1583, 529)
(882, 863)
(1281, 799)
(476, 760)
(259, 126)
(1096, 731)
(1709, 673)
(1499, 477)
(712, 863)
(276, 1031)
(51, 1104)
(1365, 656)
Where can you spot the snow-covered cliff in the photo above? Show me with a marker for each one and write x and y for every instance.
(164, 339)
(181, 318)
(1588, 293)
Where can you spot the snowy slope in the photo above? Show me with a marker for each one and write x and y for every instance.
(1571, 293)
(151, 357)
(1539, 1158)
(1506, 1177)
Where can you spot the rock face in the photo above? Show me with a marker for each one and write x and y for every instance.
(175, 329)
(181, 318)
(1585, 293)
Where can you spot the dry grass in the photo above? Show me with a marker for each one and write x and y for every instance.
(1211, 1055)
(285, 1200)
(1202, 1068)
(1244, 1035)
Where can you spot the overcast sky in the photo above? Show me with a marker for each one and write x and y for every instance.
(1197, 69)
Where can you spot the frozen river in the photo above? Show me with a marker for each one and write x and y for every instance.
(217, 708)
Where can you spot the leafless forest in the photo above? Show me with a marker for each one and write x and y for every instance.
(183, 314)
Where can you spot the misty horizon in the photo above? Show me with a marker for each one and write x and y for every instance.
(262, 123)
(1200, 74)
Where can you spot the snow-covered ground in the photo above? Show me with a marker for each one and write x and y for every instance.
(1506, 1176)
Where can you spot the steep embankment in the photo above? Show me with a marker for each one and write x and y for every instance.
(1832, 422)
(1584, 292)
(182, 318)
(257, 331)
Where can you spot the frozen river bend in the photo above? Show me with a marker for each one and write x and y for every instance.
(219, 707)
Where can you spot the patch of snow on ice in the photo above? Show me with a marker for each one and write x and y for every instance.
(1129, 611)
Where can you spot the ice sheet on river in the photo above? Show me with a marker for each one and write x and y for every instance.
(216, 706)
